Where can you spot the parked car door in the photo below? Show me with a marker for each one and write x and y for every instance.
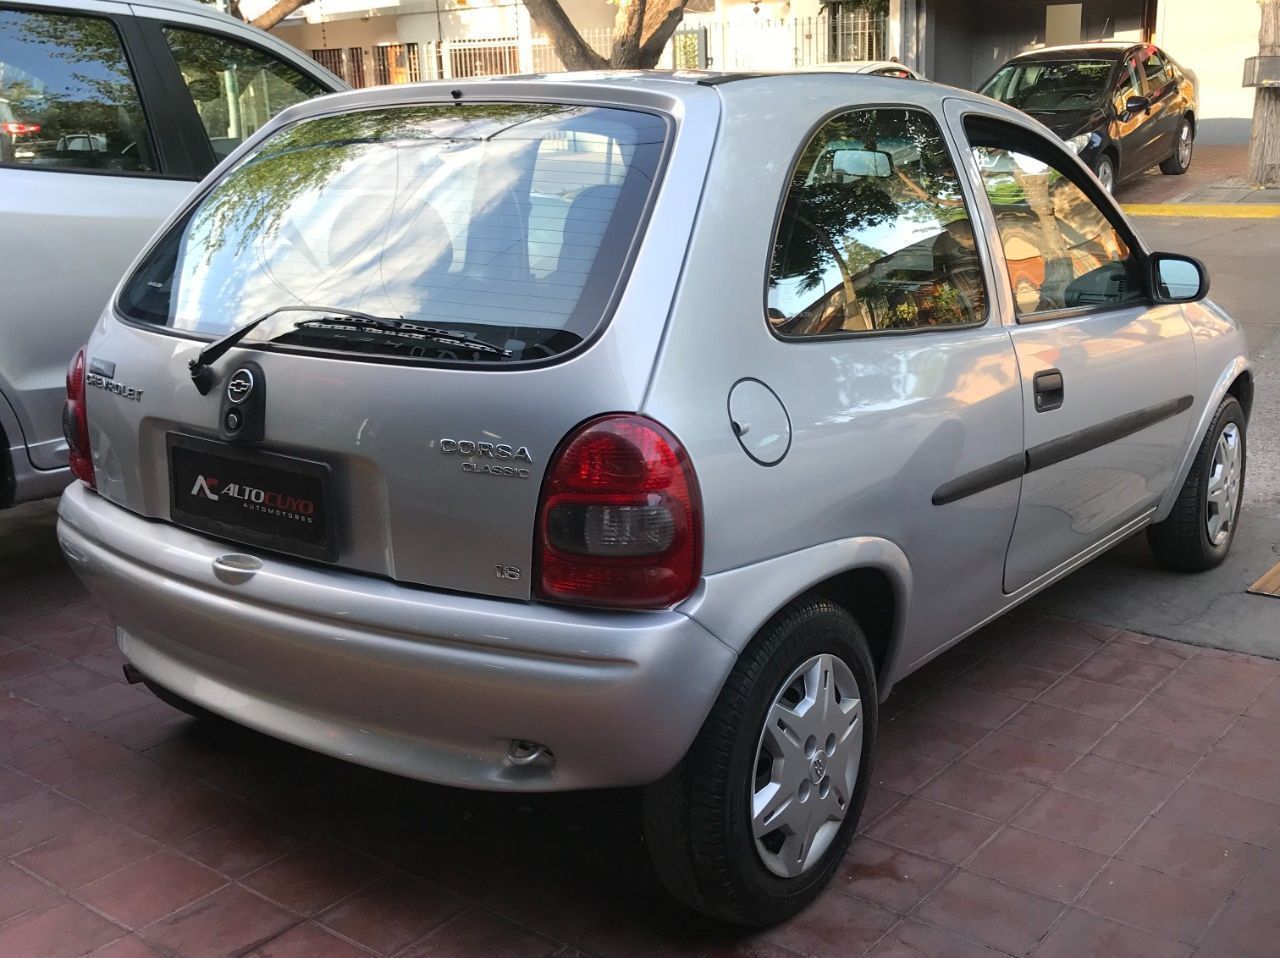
(1103, 371)
(83, 184)
(117, 113)
(1131, 130)
(1166, 104)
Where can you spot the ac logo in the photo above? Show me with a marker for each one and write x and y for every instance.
(203, 487)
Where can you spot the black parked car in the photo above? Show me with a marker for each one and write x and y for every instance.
(1123, 107)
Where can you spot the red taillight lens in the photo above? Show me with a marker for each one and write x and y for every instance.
(620, 520)
(16, 129)
(75, 423)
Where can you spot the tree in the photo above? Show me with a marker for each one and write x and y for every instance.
(1264, 145)
(641, 30)
(269, 17)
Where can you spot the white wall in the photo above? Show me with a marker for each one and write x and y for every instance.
(1213, 40)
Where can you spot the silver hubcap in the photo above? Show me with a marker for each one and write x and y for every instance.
(806, 765)
(1106, 176)
(1184, 144)
(1224, 485)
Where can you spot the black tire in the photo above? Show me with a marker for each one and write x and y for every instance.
(1181, 542)
(1106, 167)
(1173, 165)
(697, 818)
(178, 702)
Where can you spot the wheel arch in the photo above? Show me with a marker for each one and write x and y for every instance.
(1235, 380)
(1242, 388)
(867, 576)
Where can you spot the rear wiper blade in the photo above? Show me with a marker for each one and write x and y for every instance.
(202, 366)
(402, 329)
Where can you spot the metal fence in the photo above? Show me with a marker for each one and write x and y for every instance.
(839, 36)
(738, 43)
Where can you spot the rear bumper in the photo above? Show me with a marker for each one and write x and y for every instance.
(430, 685)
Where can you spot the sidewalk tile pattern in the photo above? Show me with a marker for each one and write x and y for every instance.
(1048, 788)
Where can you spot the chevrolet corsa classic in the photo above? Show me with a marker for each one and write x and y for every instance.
(562, 433)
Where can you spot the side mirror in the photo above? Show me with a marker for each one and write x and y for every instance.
(1178, 279)
(1136, 104)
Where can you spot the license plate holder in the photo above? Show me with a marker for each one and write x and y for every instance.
(253, 497)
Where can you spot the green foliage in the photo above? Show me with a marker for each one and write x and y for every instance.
(252, 199)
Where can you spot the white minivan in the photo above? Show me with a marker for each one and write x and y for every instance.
(109, 114)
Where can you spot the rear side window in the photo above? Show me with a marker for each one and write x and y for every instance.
(506, 224)
(68, 99)
(1156, 70)
(874, 233)
(236, 88)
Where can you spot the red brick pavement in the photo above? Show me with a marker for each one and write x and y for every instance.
(1048, 788)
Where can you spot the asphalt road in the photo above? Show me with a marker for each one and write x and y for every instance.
(1125, 588)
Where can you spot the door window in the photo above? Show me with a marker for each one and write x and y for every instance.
(68, 99)
(874, 233)
(1061, 250)
(236, 88)
(1130, 85)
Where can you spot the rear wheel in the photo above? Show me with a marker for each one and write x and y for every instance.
(1198, 533)
(1180, 160)
(749, 827)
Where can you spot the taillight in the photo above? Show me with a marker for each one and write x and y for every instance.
(75, 423)
(620, 521)
(17, 129)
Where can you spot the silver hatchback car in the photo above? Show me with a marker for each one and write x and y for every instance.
(559, 433)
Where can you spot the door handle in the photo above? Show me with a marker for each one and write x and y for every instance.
(1048, 389)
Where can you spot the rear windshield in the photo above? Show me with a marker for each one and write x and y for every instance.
(406, 231)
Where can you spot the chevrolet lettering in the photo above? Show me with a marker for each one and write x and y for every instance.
(825, 372)
(99, 381)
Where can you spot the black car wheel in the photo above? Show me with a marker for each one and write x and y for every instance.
(1105, 171)
(754, 821)
(1199, 531)
(1180, 160)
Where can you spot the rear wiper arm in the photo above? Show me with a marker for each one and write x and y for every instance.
(404, 330)
(202, 366)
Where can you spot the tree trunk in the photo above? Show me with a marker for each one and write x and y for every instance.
(574, 52)
(277, 13)
(1264, 144)
(641, 30)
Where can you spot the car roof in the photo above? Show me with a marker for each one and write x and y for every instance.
(1096, 50)
(658, 88)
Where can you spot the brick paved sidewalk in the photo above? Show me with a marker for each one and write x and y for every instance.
(1048, 788)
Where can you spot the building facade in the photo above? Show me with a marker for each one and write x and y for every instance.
(960, 42)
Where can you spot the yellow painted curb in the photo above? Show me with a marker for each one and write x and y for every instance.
(1226, 211)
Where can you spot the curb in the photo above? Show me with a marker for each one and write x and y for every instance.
(1226, 211)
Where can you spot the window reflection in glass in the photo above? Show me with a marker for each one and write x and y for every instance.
(67, 97)
(874, 234)
(236, 88)
(1061, 250)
